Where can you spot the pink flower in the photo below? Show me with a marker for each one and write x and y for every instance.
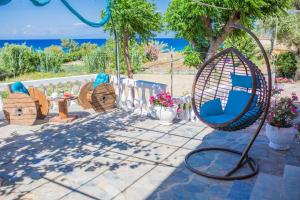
(294, 96)
(170, 104)
(294, 110)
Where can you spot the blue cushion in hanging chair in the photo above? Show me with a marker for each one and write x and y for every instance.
(211, 108)
(18, 87)
(236, 103)
(100, 79)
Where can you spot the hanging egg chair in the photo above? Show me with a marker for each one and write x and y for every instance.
(230, 93)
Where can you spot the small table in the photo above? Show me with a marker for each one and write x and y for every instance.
(63, 115)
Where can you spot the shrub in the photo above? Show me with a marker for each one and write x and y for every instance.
(286, 65)
(50, 61)
(18, 59)
(86, 48)
(192, 58)
(54, 49)
(96, 60)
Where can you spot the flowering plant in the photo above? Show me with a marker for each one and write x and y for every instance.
(283, 111)
(283, 80)
(163, 99)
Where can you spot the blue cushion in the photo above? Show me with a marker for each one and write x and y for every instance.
(248, 116)
(219, 119)
(210, 108)
(101, 78)
(18, 87)
(237, 102)
(241, 81)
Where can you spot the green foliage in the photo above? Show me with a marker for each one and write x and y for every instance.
(286, 65)
(244, 43)
(77, 53)
(50, 61)
(18, 59)
(4, 94)
(86, 48)
(54, 49)
(133, 18)
(192, 58)
(136, 18)
(95, 61)
(202, 25)
(287, 29)
(104, 58)
(296, 4)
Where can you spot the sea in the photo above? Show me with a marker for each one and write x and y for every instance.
(40, 44)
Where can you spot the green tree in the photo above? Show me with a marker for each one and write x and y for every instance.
(207, 23)
(285, 28)
(134, 18)
(244, 43)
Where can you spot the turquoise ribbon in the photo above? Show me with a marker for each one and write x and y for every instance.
(101, 23)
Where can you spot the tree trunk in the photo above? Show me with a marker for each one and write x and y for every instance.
(216, 42)
(126, 54)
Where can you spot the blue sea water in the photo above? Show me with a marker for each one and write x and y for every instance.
(176, 44)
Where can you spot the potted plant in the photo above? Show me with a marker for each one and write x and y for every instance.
(280, 129)
(164, 107)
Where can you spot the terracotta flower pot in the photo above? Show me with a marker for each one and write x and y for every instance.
(280, 138)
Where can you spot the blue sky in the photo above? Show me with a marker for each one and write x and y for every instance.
(20, 19)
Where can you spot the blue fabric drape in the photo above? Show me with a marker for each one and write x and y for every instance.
(84, 20)
(3, 2)
(40, 2)
(101, 23)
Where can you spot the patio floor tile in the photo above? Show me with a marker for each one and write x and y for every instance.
(50, 191)
(173, 140)
(155, 152)
(152, 180)
(91, 169)
(150, 135)
(112, 182)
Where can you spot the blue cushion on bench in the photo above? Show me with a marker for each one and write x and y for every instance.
(18, 87)
(101, 78)
(212, 107)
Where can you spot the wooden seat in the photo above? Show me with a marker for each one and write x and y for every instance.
(23, 109)
(101, 99)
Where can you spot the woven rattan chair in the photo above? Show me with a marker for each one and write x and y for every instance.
(230, 93)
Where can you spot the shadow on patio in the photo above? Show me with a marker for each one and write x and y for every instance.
(122, 156)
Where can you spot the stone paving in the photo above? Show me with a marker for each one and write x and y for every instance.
(123, 156)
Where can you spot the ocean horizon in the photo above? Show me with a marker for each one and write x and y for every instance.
(176, 44)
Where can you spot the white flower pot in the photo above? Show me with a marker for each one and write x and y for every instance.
(280, 138)
(166, 115)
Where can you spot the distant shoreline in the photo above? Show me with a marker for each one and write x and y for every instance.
(175, 43)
